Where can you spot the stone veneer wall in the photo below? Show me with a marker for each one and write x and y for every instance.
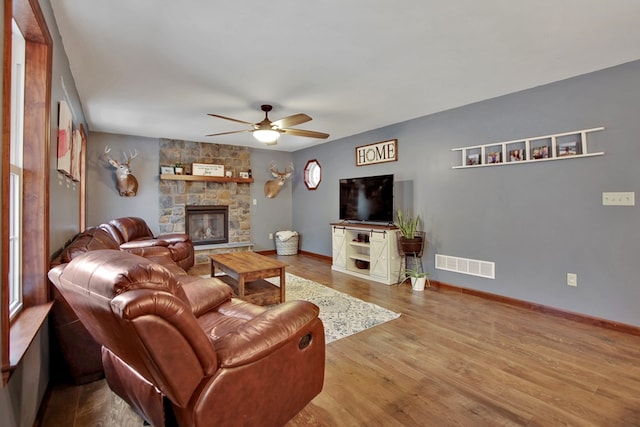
(176, 195)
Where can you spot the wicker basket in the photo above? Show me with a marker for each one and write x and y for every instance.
(287, 247)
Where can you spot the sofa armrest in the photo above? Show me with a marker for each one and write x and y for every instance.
(135, 244)
(204, 294)
(265, 333)
(173, 238)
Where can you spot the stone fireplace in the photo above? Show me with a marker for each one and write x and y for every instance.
(207, 225)
(176, 196)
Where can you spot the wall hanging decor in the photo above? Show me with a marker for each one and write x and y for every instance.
(312, 174)
(273, 186)
(65, 129)
(558, 146)
(126, 183)
(380, 152)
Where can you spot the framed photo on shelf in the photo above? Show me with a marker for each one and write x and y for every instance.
(167, 170)
(473, 159)
(567, 149)
(494, 157)
(516, 155)
(540, 152)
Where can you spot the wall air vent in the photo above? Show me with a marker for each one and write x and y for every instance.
(472, 267)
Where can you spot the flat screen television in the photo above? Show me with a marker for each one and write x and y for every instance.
(367, 199)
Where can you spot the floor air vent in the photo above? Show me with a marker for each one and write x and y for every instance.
(466, 266)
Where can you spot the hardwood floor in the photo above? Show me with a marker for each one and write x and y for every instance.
(450, 360)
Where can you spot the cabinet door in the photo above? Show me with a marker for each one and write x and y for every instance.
(379, 255)
(339, 248)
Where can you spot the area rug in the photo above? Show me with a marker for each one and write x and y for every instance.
(341, 314)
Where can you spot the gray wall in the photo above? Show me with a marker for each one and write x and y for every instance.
(537, 221)
(64, 213)
(270, 215)
(103, 200)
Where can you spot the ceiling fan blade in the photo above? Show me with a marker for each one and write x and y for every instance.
(229, 118)
(229, 133)
(293, 120)
(307, 133)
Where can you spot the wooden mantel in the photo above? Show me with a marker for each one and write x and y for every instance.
(206, 178)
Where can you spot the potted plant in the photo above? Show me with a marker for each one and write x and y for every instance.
(418, 277)
(179, 168)
(407, 225)
(410, 241)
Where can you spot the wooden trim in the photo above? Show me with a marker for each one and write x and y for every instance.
(6, 144)
(323, 258)
(269, 252)
(24, 330)
(577, 317)
(82, 215)
(37, 131)
(31, 21)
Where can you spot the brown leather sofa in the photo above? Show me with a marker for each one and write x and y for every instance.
(180, 350)
(133, 233)
(75, 354)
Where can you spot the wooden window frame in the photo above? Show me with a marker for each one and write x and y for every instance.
(18, 334)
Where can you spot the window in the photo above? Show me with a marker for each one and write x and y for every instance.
(24, 257)
(15, 173)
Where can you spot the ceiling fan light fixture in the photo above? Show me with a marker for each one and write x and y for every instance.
(268, 132)
(266, 135)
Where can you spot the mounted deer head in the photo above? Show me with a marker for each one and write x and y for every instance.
(126, 183)
(273, 186)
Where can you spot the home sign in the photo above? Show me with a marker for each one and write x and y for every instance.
(380, 152)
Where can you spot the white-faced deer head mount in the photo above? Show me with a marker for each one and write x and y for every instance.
(126, 183)
(273, 186)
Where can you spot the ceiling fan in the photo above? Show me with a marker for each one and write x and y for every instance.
(268, 132)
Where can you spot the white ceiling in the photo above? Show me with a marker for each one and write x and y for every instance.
(155, 68)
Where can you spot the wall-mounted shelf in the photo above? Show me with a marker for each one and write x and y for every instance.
(559, 146)
(206, 178)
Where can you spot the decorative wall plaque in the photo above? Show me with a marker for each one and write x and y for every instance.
(380, 152)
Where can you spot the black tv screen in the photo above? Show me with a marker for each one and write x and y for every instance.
(368, 198)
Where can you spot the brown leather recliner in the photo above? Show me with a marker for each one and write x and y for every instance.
(133, 233)
(76, 356)
(216, 360)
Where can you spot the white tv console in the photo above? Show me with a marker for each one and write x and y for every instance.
(367, 251)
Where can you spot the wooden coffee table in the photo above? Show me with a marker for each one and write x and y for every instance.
(245, 273)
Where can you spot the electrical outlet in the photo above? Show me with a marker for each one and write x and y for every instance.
(572, 279)
(618, 198)
(270, 236)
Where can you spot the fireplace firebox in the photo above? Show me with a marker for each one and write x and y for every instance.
(207, 225)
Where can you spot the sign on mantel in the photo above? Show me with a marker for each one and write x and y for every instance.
(380, 152)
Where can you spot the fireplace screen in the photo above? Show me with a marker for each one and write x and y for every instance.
(207, 224)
